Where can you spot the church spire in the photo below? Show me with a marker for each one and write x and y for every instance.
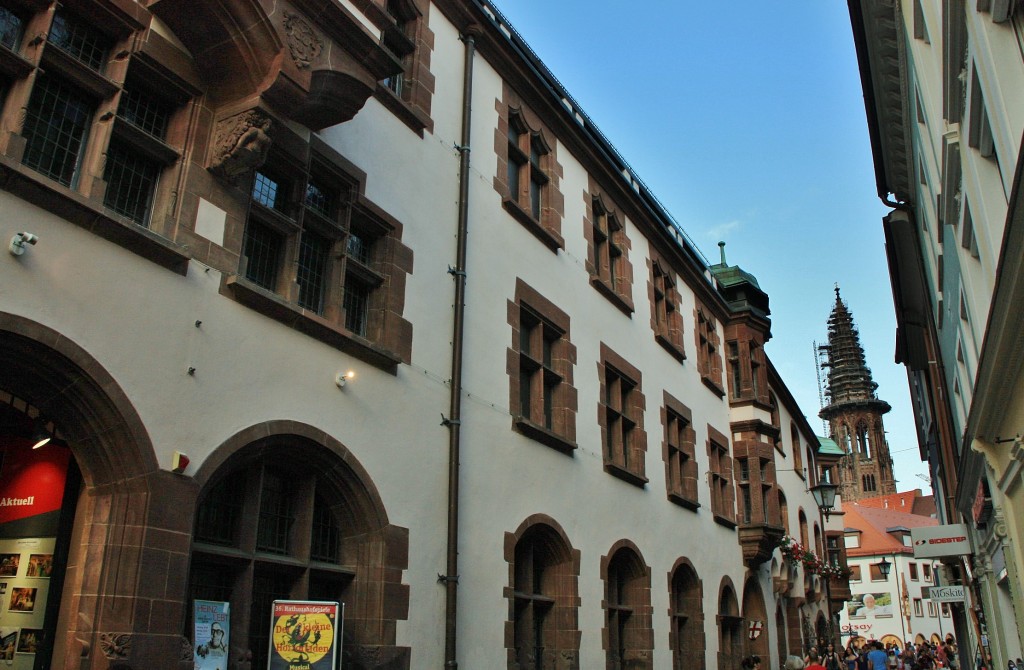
(854, 411)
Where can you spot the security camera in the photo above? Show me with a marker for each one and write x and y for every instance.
(19, 241)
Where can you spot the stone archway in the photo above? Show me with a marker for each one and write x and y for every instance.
(131, 518)
(754, 612)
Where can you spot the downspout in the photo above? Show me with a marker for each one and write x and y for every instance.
(454, 420)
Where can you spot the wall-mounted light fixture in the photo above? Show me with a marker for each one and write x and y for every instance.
(343, 378)
(18, 242)
(41, 435)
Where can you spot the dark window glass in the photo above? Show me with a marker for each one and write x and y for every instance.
(262, 247)
(312, 271)
(325, 543)
(358, 248)
(270, 192)
(78, 40)
(10, 29)
(131, 181)
(356, 305)
(320, 200)
(144, 111)
(55, 128)
(218, 516)
(267, 587)
(276, 516)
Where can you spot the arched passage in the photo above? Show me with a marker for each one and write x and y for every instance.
(754, 613)
(123, 519)
(730, 626)
(287, 512)
(686, 613)
(543, 595)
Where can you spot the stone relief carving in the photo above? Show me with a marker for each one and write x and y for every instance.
(241, 143)
(303, 42)
(185, 650)
(116, 646)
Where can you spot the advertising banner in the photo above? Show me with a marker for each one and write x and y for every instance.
(304, 635)
(939, 541)
(211, 625)
(869, 605)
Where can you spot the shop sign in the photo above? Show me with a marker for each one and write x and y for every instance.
(31, 481)
(940, 541)
(304, 635)
(948, 594)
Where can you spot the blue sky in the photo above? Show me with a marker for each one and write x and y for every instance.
(746, 120)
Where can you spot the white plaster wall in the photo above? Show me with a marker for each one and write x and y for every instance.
(137, 319)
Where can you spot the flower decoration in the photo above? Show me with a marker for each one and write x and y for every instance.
(794, 552)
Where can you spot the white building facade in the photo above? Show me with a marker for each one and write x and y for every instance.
(427, 346)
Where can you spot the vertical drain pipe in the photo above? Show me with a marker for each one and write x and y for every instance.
(454, 420)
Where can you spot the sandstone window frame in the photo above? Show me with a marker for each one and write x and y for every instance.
(720, 478)
(92, 50)
(546, 589)
(528, 174)
(628, 636)
(405, 33)
(709, 355)
(540, 364)
(686, 615)
(366, 263)
(666, 317)
(620, 412)
(608, 246)
(679, 453)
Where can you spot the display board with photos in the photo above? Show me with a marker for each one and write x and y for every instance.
(26, 565)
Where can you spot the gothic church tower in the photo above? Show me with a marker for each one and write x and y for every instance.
(854, 412)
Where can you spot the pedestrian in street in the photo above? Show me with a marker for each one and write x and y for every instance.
(877, 658)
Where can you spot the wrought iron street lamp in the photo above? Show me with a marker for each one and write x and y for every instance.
(884, 567)
(825, 497)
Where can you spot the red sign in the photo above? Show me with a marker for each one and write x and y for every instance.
(31, 480)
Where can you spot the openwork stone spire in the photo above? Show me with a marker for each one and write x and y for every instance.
(854, 412)
(849, 378)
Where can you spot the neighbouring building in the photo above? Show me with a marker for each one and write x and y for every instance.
(944, 93)
(892, 608)
(351, 301)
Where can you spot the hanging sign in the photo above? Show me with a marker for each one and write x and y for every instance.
(939, 541)
(948, 594)
(304, 635)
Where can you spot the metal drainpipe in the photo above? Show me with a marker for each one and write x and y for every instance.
(454, 420)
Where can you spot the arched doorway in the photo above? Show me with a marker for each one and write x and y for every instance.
(98, 602)
(755, 615)
(686, 635)
(287, 513)
(730, 625)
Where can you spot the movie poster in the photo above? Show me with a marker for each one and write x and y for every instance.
(304, 635)
(211, 625)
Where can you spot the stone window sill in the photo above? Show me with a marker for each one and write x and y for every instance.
(723, 521)
(625, 305)
(414, 118)
(312, 324)
(549, 238)
(682, 501)
(634, 478)
(544, 435)
(676, 350)
(93, 216)
(714, 386)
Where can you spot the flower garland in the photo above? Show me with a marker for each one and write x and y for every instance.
(794, 552)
